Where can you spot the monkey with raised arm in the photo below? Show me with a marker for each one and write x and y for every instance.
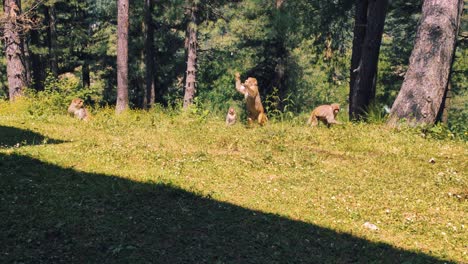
(78, 110)
(249, 89)
(324, 113)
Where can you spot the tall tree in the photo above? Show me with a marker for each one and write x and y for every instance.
(191, 45)
(149, 55)
(360, 25)
(281, 52)
(14, 53)
(122, 55)
(365, 57)
(50, 18)
(427, 79)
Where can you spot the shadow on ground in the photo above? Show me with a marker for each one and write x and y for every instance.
(12, 136)
(57, 215)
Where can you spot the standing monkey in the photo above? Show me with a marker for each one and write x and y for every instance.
(77, 109)
(231, 117)
(325, 113)
(249, 89)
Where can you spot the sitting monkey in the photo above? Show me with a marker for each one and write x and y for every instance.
(231, 117)
(249, 89)
(77, 109)
(325, 113)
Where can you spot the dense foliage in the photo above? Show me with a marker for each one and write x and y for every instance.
(299, 52)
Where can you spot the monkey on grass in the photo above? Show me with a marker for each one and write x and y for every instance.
(324, 113)
(231, 117)
(78, 110)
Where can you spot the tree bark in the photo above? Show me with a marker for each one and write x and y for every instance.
(122, 56)
(149, 56)
(360, 25)
(279, 78)
(363, 77)
(426, 80)
(38, 71)
(14, 53)
(52, 39)
(27, 62)
(85, 73)
(446, 103)
(191, 45)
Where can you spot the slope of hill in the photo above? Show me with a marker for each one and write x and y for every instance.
(175, 187)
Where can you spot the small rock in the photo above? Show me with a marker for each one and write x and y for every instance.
(432, 160)
(370, 226)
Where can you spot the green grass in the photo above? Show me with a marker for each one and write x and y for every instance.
(167, 187)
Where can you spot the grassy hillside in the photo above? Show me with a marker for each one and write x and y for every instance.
(168, 187)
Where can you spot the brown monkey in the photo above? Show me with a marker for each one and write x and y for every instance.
(325, 113)
(249, 89)
(231, 117)
(77, 109)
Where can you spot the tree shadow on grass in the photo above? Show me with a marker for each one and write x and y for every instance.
(57, 215)
(12, 136)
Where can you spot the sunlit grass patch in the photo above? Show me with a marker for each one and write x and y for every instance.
(414, 189)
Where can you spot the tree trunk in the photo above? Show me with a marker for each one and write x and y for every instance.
(149, 55)
(426, 80)
(360, 25)
(122, 56)
(52, 39)
(38, 71)
(279, 78)
(362, 91)
(85, 54)
(85, 73)
(191, 45)
(16, 73)
(446, 103)
(27, 62)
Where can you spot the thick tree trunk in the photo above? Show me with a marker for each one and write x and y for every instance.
(16, 72)
(191, 45)
(362, 92)
(149, 56)
(426, 80)
(122, 56)
(360, 25)
(38, 71)
(52, 39)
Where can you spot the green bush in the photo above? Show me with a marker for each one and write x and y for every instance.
(58, 93)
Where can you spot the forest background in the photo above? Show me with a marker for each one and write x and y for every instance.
(300, 54)
(172, 184)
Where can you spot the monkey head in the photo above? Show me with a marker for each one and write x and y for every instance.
(336, 108)
(78, 102)
(231, 111)
(251, 81)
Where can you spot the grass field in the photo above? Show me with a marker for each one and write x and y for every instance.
(162, 187)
